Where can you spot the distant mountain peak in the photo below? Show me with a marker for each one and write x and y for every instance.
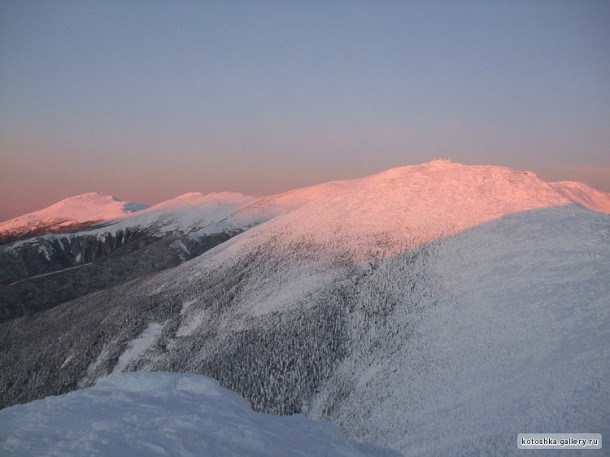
(68, 213)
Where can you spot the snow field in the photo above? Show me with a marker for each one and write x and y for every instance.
(163, 414)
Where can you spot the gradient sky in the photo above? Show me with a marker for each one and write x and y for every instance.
(147, 100)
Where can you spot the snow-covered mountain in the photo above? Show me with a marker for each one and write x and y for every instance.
(68, 214)
(63, 266)
(39, 272)
(403, 207)
(180, 215)
(438, 309)
(102, 215)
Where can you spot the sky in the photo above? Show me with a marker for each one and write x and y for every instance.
(147, 100)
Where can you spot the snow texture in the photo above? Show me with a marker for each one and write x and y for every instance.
(506, 332)
(162, 414)
(388, 213)
(180, 215)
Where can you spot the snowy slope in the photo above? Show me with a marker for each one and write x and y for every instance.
(468, 329)
(455, 346)
(39, 272)
(499, 330)
(450, 348)
(172, 218)
(584, 195)
(161, 414)
(204, 214)
(272, 206)
(183, 214)
(86, 208)
(438, 191)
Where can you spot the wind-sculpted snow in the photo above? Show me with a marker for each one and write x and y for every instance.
(161, 414)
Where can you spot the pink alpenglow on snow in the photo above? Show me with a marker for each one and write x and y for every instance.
(185, 212)
(397, 209)
(410, 205)
(86, 208)
(584, 195)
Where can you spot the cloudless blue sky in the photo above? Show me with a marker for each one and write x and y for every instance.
(150, 99)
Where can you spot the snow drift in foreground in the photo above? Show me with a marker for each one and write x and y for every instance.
(159, 414)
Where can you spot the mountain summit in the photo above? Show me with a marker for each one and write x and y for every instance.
(397, 209)
(69, 214)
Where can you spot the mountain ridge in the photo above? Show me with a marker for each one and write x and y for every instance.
(109, 208)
